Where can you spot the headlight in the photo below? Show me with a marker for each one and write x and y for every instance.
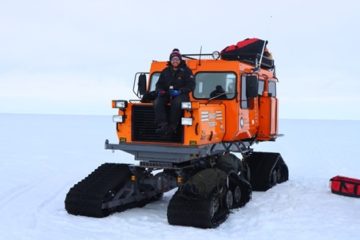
(186, 105)
(119, 104)
(118, 118)
(216, 55)
(186, 121)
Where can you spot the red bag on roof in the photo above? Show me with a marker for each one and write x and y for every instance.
(345, 186)
(250, 51)
(248, 46)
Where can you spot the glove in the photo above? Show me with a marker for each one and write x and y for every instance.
(174, 93)
(161, 93)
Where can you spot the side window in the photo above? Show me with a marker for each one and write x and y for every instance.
(153, 80)
(272, 89)
(261, 87)
(249, 90)
(244, 99)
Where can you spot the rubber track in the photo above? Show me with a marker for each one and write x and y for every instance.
(187, 211)
(246, 190)
(261, 165)
(86, 197)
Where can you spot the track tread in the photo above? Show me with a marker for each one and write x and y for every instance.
(86, 197)
(245, 187)
(187, 211)
(261, 166)
(191, 205)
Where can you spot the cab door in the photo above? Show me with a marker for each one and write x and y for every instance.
(268, 110)
(248, 114)
(274, 108)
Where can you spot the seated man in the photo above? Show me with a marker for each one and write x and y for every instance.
(218, 93)
(174, 84)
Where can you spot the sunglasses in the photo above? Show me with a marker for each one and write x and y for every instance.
(175, 59)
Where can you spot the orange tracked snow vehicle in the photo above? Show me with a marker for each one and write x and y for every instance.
(197, 159)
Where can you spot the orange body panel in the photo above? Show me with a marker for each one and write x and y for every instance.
(124, 129)
(208, 126)
(220, 120)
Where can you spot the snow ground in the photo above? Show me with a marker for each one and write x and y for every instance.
(42, 156)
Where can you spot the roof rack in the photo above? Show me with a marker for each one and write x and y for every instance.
(214, 55)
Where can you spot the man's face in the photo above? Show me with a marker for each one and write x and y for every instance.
(175, 62)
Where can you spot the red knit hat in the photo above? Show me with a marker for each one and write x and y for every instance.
(175, 53)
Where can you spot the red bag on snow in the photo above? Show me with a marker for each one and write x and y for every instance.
(345, 186)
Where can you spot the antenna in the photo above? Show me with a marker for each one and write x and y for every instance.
(258, 65)
(200, 56)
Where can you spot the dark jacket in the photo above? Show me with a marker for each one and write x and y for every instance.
(219, 93)
(181, 79)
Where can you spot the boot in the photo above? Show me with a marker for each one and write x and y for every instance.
(171, 129)
(162, 128)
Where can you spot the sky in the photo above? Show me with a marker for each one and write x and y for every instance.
(74, 57)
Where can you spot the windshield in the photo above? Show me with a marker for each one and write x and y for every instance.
(208, 85)
(215, 85)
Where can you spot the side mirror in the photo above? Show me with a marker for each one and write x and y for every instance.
(142, 84)
(252, 86)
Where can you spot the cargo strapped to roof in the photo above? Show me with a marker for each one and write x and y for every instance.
(250, 50)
